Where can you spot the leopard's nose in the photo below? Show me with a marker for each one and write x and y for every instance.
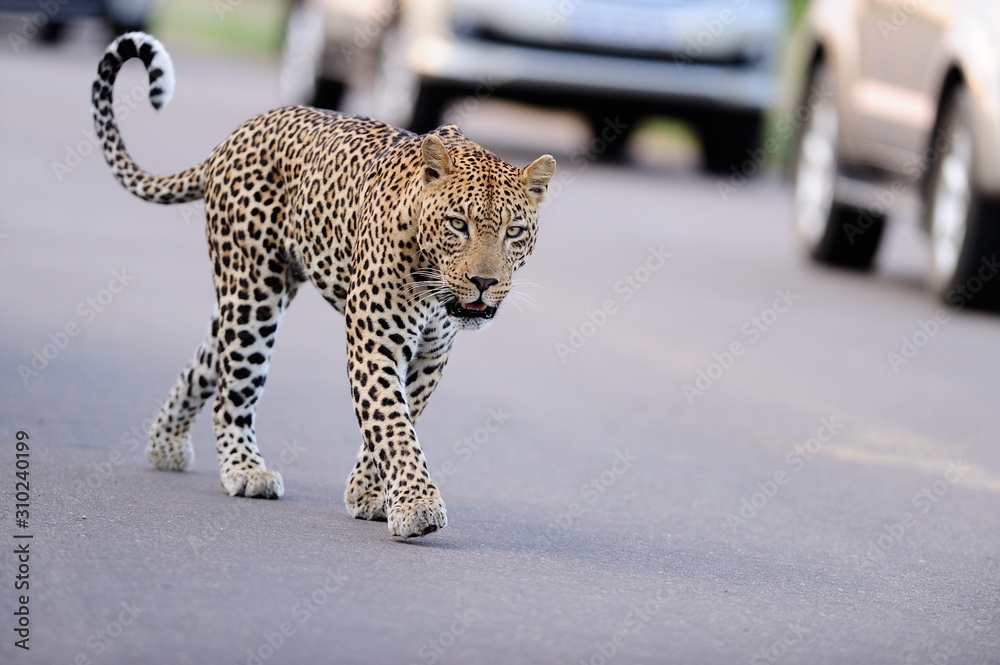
(482, 283)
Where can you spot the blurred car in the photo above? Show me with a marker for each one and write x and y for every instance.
(48, 20)
(903, 95)
(710, 62)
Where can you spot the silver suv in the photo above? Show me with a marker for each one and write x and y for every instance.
(904, 95)
(710, 62)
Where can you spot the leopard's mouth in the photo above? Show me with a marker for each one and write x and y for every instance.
(471, 310)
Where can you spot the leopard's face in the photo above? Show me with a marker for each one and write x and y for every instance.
(478, 224)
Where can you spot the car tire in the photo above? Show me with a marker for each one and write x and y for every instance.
(327, 94)
(611, 149)
(833, 232)
(429, 107)
(964, 225)
(52, 32)
(301, 76)
(728, 138)
(401, 97)
(117, 28)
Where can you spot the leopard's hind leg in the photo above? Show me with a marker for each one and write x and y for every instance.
(169, 447)
(249, 313)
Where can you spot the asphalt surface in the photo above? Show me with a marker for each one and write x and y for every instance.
(806, 498)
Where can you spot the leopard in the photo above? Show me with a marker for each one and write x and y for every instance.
(411, 237)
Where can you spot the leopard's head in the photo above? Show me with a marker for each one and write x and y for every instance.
(478, 223)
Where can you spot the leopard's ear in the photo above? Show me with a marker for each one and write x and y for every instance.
(536, 176)
(437, 161)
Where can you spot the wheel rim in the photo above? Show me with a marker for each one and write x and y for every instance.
(952, 197)
(816, 170)
(396, 84)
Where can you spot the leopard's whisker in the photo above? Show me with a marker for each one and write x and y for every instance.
(526, 298)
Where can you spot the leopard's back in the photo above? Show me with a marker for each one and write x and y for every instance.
(296, 178)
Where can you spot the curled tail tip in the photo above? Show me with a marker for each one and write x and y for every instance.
(156, 59)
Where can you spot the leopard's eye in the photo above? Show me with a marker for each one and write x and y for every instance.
(514, 232)
(459, 225)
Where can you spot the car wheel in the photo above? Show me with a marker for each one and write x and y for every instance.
(431, 103)
(120, 28)
(327, 94)
(123, 16)
(52, 32)
(400, 97)
(301, 79)
(610, 148)
(833, 232)
(964, 225)
(728, 138)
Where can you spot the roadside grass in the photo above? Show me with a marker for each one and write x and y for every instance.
(240, 25)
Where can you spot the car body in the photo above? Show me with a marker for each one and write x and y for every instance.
(711, 62)
(903, 95)
(48, 20)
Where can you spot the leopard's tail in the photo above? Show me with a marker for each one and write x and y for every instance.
(180, 187)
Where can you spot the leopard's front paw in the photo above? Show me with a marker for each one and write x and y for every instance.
(409, 517)
(253, 483)
(170, 453)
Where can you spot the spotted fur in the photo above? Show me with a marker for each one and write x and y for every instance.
(410, 237)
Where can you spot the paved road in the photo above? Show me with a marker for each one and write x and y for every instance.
(697, 449)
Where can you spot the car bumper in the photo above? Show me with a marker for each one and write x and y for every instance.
(495, 68)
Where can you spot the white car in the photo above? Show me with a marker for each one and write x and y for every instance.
(710, 62)
(901, 95)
